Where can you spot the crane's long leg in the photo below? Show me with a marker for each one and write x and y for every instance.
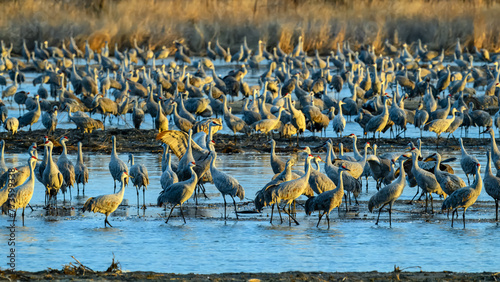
(320, 216)
(30, 207)
(144, 198)
(465, 209)
(235, 212)
(452, 216)
(107, 221)
(180, 206)
(378, 217)
(272, 211)
(390, 217)
(432, 203)
(114, 189)
(328, 219)
(345, 200)
(137, 190)
(496, 210)
(290, 216)
(23, 216)
(170, 213)
(224, 197)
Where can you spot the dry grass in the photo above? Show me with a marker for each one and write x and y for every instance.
(438, 23)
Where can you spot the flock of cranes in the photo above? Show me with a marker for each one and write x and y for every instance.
(291, 97)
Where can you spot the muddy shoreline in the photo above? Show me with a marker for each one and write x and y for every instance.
(396, 275)
(144, 141)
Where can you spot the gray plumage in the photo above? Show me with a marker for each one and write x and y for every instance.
(389, 194)
(168, 176)
(226, 184)
(178, 193)
(52, 177)
(492, 184)
(439, 126)
(378, 123)
(49, 120)
(425, 180)
(107, 204)
(81, 170)
(339, 122)
(291, 190)
(495, 152)
(468, 162)
(464, 197)
(140, 178)
(31, 117)
(448, 182)
(66, 167)
(84, 122)
(277, 164)
(116, 166)
(137, 116)
(326, 201)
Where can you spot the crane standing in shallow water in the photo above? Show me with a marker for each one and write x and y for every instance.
(21, 196)
(179, 192)
(464, 197)
(140, 179)
(226, 184)
(389, 194)
(117, 166)
(106, 204)
(328, 200)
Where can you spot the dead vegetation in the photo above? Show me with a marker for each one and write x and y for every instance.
(323, 24)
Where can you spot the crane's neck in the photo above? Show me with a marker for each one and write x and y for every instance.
(65, 151)
(80, 154)
(122, 189)
(340, 185)
(488, 165)
(494, 147)
(131, 157)
(113, 150)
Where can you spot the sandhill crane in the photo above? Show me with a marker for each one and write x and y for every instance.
(52, 177)
(107, 204)
(84, 122)
(266, 126)
(178, 193)
(439, 126)
(161, 121)
(378, 123)
(116, 166)
(448, 182)
(277, 164)
(21, 196)
(425, 180)
(181, 123)
(298, 120)
(327, 200)
(464, 197)
(226, 184)
(263, 197)
(444, 80)
(168, 176)
(318, 181)
(31, 117)
(495, 152)
(467, 161)
(49, 120)
(492, 184)
(140, 178)
(11, 90)
(137, 115)
(210, 53)
(338, 122)
(66, 168)
(81, 170)
(4, 191)
(291, 190)
(389, 194)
